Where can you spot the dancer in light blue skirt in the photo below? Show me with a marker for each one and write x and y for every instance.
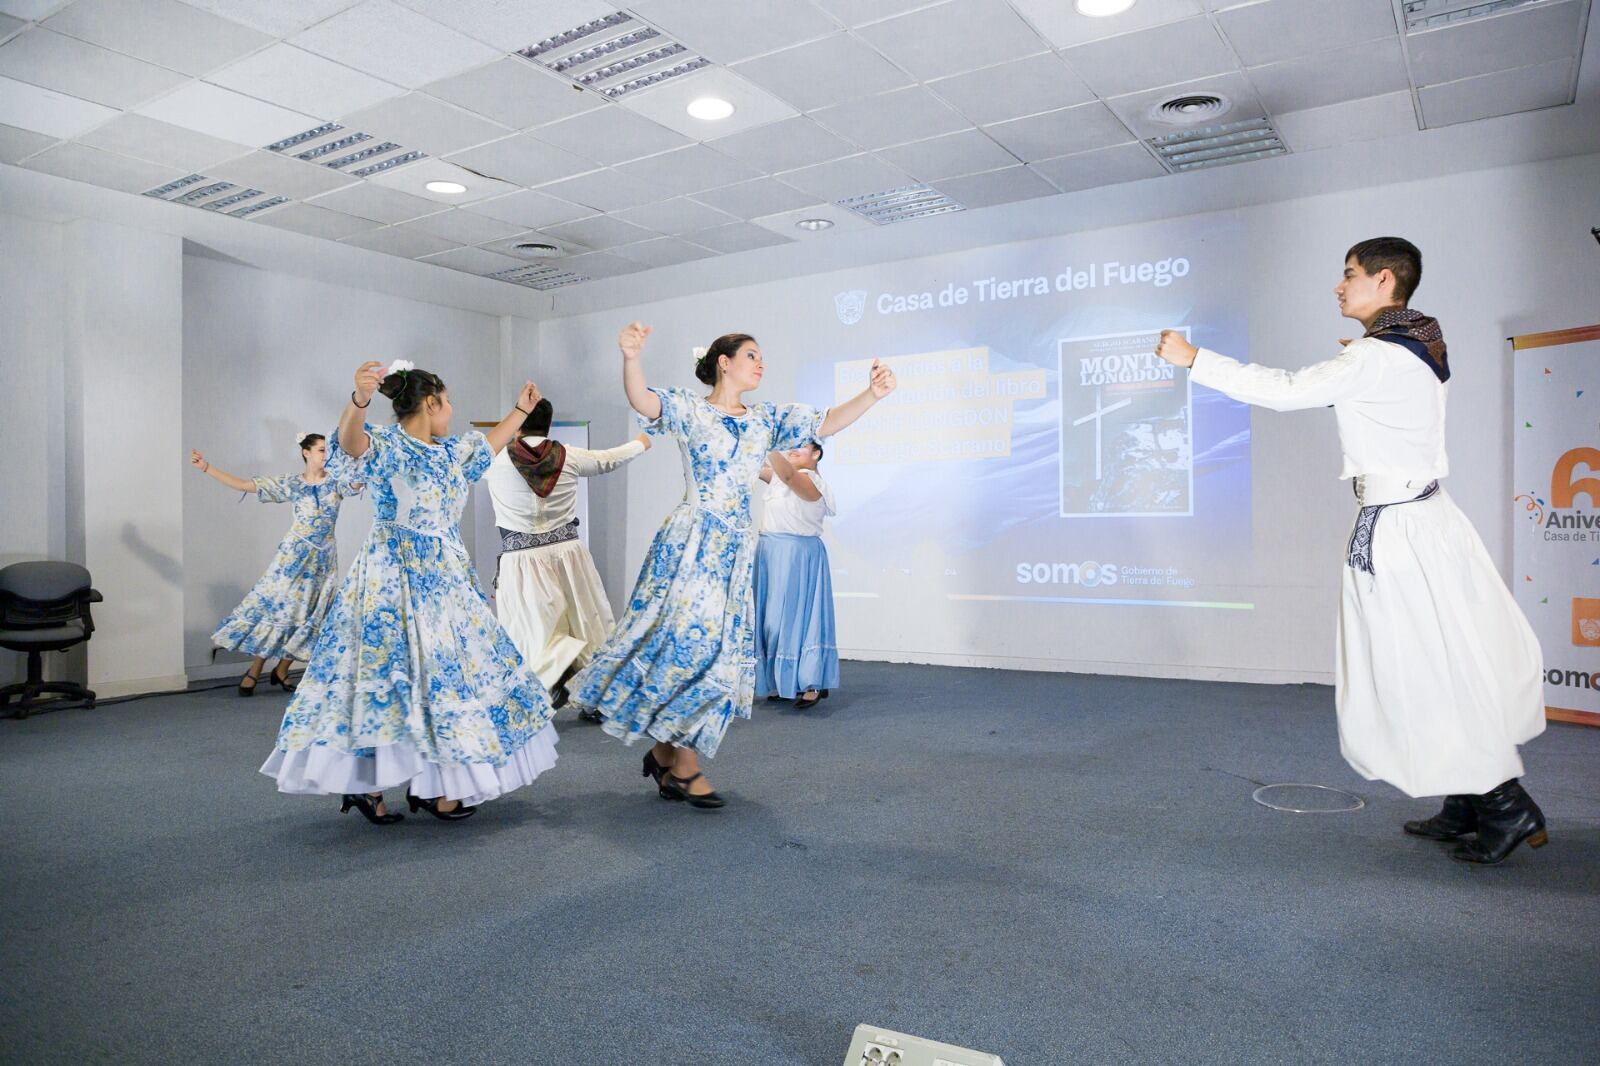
(797, 653)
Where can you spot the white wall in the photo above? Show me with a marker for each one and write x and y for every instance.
(266, 355)
(1506, 250)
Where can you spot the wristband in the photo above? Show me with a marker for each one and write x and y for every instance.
(363, 406)
(520, 409)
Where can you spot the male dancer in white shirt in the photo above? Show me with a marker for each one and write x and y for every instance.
(1438, 675)
(547, 591)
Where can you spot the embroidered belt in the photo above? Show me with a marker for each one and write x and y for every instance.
(1358, 556)
(513, 541)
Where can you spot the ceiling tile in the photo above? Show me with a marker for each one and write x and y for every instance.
(841, 179)
(686, 170)
(1012, 90)
(1282, 29)
(749, 199)
(377, 202)
(1347, 123)
(1135, 109)
(95, 167)
(164, 32)
(1147, 59)
(829, 71)
(464, 227)
(954, 37)
(601, 265)
(726, 31)
(420, 121)
(676, 216)
(162, 142)
(663, 251)
(1505, 92)
(1328, 77)
(31, 10)
(392, 240)
(1054, 133)
(1518, 38)
(795, 142)
(599, 232)
(738, 237)
(77, 68)
(996, 187)
(279, 176)
(861, 12)
(522, 159)
(394, 43)
(16, 144)
(223, 113)
(280, 18)
(530, 209)
(1064, 27)
(296, 79)
(510, 25)
(316, 221)
(515, 93)
(967, 152)
(911, 114)
(784, 223)
(9, 25)
(40, 110)
(1103, 166)
(413, 178)
(610, 134)
(475, 261)
(668, 103)
(605, 190)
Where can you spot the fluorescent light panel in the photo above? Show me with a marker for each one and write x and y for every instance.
(901, 204)
(162, 192)
(302, 138)
(333, 146)
(228, 201)
(614, 55)
(1432, 14)
(194, 196)
(1218, 145)
(260, 205)
(388, 164)
(214, 195)
(539, 277)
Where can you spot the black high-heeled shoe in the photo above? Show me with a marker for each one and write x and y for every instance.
(1455, 820)
(282, 682)
(674, 787)
(803, 704)
(432, 807)
(368, 806)
(250, 689)
(652, 768)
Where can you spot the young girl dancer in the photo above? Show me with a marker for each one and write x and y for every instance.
(796, 650)
(680, 665)
(412, 681)
(282, 614)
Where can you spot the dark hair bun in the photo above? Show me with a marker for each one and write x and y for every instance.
(310, 440)
(407, 389)
(705, 368)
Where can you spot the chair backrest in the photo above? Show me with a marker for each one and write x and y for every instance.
(44, 593)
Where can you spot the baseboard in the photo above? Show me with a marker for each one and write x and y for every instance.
(1175, 671)
(109, 690)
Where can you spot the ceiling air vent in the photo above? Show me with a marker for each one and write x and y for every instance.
(1434, 14)
(901, 205)
(614, 55)
(535, 250)
(538, 277)
(1218, 145)
(1191, 109)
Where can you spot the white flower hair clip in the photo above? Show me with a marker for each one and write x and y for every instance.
(400, 366)
(302, 434)
(699, 354)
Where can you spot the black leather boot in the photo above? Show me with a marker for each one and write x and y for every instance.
(1506, 817)
(1455, 820)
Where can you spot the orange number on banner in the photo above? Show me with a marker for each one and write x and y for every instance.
(1563, 488)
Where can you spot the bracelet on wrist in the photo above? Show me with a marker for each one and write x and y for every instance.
(519, 408)
(363, 406)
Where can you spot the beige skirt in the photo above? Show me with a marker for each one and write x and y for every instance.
(551, 602)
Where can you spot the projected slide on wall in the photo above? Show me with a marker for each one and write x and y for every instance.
(1036, 449)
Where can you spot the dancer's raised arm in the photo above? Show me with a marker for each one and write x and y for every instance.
(842, 415)
(506, 431)
(237, 484)
(353, 422)
(640, 398)
(802, 487)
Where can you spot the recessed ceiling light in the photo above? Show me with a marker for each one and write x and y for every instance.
(448, 188)
(813, 224)
(710, 108)
(1099, 9)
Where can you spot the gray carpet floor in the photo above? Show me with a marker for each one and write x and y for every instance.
(1054, 868)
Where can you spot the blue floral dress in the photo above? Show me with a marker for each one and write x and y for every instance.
(412, 680)
(281, 615)
(680, 666)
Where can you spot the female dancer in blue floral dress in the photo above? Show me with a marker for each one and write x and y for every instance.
(680, 666)
(413, 682)
(282, 614)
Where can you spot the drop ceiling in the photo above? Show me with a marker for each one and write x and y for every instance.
(567, 120)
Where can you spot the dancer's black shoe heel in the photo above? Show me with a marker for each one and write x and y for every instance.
(432, 807)
(1455, 820)
(1506, 817)
(803, 704)
(282, 682)
(368, 806)
(674, 787)
(652, 768)
(250, 689)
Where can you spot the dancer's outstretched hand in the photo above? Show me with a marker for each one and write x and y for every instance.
(1174, 349)
(198, 461)
(631, 339)
(368, 377)
(883, 381)
(528, 397)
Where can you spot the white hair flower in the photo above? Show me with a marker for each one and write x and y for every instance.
(699, 353)
(302, 434)
(398, 365)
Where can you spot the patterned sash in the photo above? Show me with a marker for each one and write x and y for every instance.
(539, 465)
(1417, 334)
(513, 541)
(1359, 553)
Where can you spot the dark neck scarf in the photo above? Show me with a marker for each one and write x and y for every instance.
(539, 465)
(1415, 332)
